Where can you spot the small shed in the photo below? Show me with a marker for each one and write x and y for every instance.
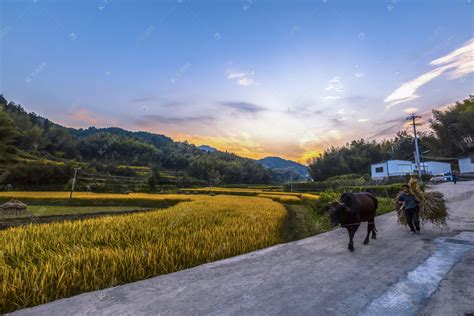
(391, 168)
(466, 164)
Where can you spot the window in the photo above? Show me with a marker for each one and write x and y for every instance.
(379, 169)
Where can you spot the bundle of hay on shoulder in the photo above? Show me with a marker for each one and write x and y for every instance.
(432, 206)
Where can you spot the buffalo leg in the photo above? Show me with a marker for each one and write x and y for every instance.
(351, 230)
(369, 229)
(374, 231)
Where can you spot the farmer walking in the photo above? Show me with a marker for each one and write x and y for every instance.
(409, 204)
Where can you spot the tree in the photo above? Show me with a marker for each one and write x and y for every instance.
(453, 130)
(7, 131)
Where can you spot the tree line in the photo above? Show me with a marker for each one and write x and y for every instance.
(451, 136)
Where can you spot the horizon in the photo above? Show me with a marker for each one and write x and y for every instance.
(253, 78)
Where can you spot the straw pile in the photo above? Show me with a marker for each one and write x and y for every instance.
(432, 206)
(13, 207)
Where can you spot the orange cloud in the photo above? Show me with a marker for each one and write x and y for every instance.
(250, 149)
(85, 118)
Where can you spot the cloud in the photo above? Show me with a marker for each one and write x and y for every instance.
(363, 120)
(142, 99)
(335, 85)
(243, 106)
(84, 117)
(245, 82)
(335, 88)
(410, 110)
(458, 63)
(236, 75)
(359, 74)
(332, 97)
(150, 119)
(242, 78)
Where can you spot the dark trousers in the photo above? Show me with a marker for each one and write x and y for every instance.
(413, 218)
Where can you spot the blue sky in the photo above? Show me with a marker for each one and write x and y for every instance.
(258, 78)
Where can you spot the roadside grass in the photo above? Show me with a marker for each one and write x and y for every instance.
(44, 262)
(310, 218)
(302, 222)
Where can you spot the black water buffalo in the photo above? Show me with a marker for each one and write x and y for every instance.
(353, 209)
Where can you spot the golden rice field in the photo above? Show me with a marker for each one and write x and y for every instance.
(256, 192)
(89, 196)
(99, 199)
(281, 198)
(41, 263)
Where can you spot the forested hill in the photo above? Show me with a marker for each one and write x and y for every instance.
(285, 169)
(27, 137)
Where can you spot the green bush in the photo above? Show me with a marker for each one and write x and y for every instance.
(389, 190)
(321, 205)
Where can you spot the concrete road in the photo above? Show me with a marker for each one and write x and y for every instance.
(397, 274)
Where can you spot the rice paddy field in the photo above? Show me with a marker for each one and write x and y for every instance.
(92, 199)
(44, 262)
(40, 263)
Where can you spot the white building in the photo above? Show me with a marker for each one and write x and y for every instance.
(466, 164)
(391, 168)
(435, 167)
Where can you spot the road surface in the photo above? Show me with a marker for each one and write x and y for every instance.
(397, 274)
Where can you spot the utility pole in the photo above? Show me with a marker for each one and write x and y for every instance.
(291, 181)
(413, 118)
(74, 181)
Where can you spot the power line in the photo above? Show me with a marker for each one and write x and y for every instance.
(387, 130)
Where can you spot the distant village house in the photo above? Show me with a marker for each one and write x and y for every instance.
(396, 168)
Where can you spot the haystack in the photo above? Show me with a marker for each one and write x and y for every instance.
(432, 206)
(13, 207)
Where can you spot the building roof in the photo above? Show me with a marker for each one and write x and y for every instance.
(385, 161)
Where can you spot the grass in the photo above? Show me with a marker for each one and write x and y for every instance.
(302, 222)
(310, 218)
(47, 210)
(96, 199)
(41, 263)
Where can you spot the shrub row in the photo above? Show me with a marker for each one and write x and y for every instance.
(389, 190)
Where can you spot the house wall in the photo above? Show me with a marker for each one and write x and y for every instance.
(399, 167)
(435, 167)
(466, 164)
(391, 168)
(374, 168)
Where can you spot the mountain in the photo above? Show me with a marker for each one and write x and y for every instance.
(36, 152)
(207, 149)
(285, 170)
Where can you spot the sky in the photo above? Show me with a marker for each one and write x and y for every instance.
(253, 77)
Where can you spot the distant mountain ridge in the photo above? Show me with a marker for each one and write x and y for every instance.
(287, 169)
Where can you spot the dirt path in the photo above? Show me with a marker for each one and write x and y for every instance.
(397, 274)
